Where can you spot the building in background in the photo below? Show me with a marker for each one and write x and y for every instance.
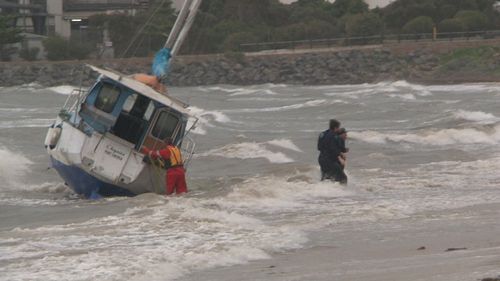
(71, 16)
(65, 18)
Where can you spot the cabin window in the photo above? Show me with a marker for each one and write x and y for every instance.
(107, 98)
(129, 103)
(133, 122)
(149, 111)
(165, 125)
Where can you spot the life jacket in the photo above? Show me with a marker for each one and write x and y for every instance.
(175, 156)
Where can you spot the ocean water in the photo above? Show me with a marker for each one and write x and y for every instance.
(254, 181)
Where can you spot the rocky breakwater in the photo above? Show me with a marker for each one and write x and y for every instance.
(345, 67)
(310, 68)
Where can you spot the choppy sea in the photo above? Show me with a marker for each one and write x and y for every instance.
(254, 182)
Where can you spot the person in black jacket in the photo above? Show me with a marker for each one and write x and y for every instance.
(329, 151)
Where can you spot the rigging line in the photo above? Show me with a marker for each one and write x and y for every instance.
(139, 32)
(138, 46)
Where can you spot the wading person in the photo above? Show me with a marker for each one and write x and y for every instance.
(329, 151)
(342, 136)
(175, 176)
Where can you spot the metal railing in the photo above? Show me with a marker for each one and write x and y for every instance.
(369, 40)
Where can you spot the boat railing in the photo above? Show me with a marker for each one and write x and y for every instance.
(188, 147)
(72, 104)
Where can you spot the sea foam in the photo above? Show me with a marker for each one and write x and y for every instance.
(13, 166)
(476, 116)
(248, 150)
(206, 119)
(433, 137)
(63, 89)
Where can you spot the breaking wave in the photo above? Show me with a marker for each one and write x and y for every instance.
(253, 150)
(310, 103)
(206, 118)
(13, 166)
(476, 116)
(63, 89)
(433, 137)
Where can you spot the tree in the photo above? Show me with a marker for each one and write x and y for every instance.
(157, 23)
(450, 25)
(418, 25)
(366, 24)
(473, 20)
(140, 34)
(233, 41)
(303, 13)
(447, 11)
(8, 35)
(340, 8)
(246, 11)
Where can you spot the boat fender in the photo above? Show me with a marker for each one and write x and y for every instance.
(52, 137)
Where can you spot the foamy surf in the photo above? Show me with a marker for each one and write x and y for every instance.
(476, 116)
(207, 118)
(63, 89)
(27, 123)
(310, 103)
(248, 150)
(433, 137)
(255, 194)
(13, 166)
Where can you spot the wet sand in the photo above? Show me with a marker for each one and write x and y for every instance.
(460, 244)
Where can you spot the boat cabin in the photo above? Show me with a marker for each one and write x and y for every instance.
(113, 108)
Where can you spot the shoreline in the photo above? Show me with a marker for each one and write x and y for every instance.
(427, 64)
(458, 244)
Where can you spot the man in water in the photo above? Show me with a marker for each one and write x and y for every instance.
(175, 176)
(329, 151)
(342, 136)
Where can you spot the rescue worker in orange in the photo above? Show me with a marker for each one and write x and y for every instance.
(175, 176)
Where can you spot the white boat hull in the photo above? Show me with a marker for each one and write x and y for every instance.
(102, 165)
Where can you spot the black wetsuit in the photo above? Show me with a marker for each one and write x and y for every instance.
(328, 145)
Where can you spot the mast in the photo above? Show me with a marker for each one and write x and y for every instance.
(187, 25)
(177, 35)
(183, 13)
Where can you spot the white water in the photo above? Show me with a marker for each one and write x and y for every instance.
(254, 181)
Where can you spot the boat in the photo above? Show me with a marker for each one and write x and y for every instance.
(96, 140)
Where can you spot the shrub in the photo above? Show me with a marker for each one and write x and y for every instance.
(233, 41)
(451, 25)
(422, 24)
(59, 48)
(366, 24)
(473, 20)
(29, 54)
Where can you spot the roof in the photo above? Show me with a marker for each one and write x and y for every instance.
(143, 89)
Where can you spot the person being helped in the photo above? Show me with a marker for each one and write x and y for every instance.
(342, 136)
(329, 151)
(175, 176)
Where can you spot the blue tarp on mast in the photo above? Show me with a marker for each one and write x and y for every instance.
(161, 62)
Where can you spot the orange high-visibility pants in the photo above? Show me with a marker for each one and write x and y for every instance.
(176, 180)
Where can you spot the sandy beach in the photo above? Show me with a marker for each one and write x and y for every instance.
(459, 244)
